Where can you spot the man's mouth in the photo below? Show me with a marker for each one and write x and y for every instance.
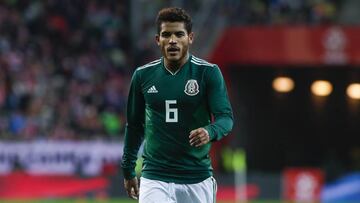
(173, 49)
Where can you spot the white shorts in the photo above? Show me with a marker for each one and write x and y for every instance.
(154, 191)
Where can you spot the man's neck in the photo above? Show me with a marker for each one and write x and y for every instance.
(175, 66)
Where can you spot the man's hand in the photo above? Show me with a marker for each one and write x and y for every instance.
(199, 137)
(132, 188)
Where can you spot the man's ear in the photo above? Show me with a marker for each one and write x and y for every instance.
(191, 37)
(157, 39)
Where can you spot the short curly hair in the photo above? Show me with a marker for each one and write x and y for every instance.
(174, 14)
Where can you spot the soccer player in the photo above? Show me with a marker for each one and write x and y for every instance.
(171, 104)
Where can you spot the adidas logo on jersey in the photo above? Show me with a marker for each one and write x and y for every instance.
(152, 89)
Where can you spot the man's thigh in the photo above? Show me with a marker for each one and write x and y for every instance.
(153, 191)
(203, 192)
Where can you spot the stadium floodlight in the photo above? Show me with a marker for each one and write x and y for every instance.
(353, 91)
(283, 84)
(321, 88)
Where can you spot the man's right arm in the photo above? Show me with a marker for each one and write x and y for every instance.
(134, 131)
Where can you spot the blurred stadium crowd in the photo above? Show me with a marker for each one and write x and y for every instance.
(64, 68)
(65, 65)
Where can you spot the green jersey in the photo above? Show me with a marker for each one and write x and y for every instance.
(163, 107)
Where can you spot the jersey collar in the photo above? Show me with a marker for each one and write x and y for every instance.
(178, 70)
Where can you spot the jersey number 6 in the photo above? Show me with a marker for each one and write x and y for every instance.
(171, 113)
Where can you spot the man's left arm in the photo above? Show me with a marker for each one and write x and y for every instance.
(220, 108)
(219, 105)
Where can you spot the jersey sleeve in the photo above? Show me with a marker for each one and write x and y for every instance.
(134, 130)
(219, 105)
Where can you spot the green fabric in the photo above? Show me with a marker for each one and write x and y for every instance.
(111, 123)
(163, 108)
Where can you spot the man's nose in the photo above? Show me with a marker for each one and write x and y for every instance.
(172, 39)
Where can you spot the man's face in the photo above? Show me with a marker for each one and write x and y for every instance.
(174, 41)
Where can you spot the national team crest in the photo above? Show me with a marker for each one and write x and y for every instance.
(191, 87)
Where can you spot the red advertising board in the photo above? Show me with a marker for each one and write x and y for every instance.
(302, 184)
(288, 45)
(19, 185)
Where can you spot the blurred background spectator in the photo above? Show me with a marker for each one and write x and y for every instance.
(65, 66)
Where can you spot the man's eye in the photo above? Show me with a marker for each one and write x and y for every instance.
(180, 34)
(165, 34)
